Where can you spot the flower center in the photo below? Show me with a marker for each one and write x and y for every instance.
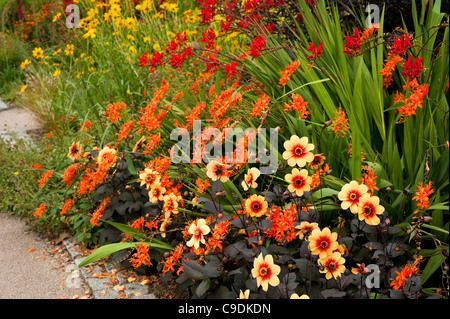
(367, 210)
(197, 233)
(256, 206)
(332, 265)
(263, 271)
(298, 182)
(353, 196)
(324, 243)
(298, 151)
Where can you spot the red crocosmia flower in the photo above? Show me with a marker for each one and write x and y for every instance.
(208, 38)
(230, 69)
(143, 60)
(257, 45)
(353, 43)
(316, 52)
(156, 59)
(401, 44)
(225, 26)
(412, 69)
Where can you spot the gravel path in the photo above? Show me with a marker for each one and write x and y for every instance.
(33, 268)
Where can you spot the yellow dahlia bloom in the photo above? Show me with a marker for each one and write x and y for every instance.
(198, 229)
(265, 272)
(299, 181)
(297, 151)
(333, 265)
(350, 195)
(322, 242)
(250, 177)
(368, 209)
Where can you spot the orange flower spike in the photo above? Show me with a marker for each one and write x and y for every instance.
(39, 211)
(113, 111)
(45, 178)
(369, 180)
(98, 213)
(423, 194)
(287, 73)
(340, 125)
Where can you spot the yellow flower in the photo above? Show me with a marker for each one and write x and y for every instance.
(24, 64)
(244, 295)
(250, 177)
(170, 205)
(256, 206)
(90, 34)
(149, 178)
(38, 53)
(147, 39)
(217, 171)
(298, 151)
(368, 209)
(156, 193)
(23, 88)
(322, 242)
(350, 195)
(56, 73)
(69, 49)
(198, 230)
(333, 265)
(157, 47)
(56, 52)
(299, 181)
(130, 37)
(56, 17)
(306, 229)
(16, 173)
(295, 296)
(265, 271)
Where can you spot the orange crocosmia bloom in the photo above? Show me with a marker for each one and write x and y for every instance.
(350, 195)
(85, 126)
(113, 111)
(333, 265)
(287, 73)
(305, 229)
(39, 211)
(125, 131)
(298, 105)
(198, 230)
(141, 256)
(75, 151)
(369, 32)
(407, 271)
(217, 171)
(256, 206)
(322, 242)
(368, 209)
(423, 194)
(340, 125)
(67, 205)
(283, 221)
(369, 179)
(202, 186)
(261, 105)
(98, 213)
(45, 178)
(297, 151)
(299, 181)
(389, 68)
(265, 271)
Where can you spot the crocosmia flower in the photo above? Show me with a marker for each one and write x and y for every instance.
(265, 272)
